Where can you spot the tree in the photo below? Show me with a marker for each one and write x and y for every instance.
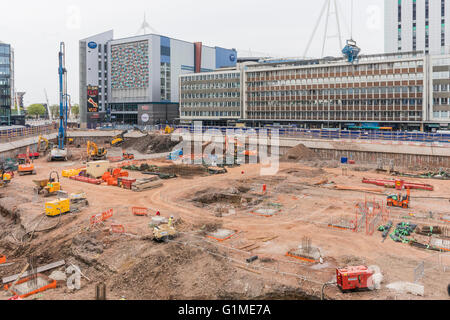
(36, 110)
(55, 111)
(76, 110)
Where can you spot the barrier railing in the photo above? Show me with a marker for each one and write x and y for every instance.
(324, 134)
(20, 133)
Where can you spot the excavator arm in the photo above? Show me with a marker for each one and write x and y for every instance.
(42, 139)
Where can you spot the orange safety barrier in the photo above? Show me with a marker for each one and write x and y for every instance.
(2, 259)
(51, 285)
(137, 211)
(117, 228)
(112, 182)
(101, 217)
(301, 258)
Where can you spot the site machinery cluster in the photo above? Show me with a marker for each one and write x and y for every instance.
(151, 79)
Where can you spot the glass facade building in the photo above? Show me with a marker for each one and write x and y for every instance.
(6, 83)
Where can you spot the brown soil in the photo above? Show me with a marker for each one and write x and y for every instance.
(151, 144)
(299, 153)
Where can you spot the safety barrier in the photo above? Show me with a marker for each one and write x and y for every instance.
(137, 211)
(20, 133)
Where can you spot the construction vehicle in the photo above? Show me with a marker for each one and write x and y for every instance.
(26, 165)
(399, 200)
(60, 152)
(74, 203)
(168, 130)
(164, 232)
(5, 176)
(118, 140)
(48, 187)
(44, 145)
(127, 156)
(94, 153)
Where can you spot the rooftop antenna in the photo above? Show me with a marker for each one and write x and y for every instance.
(145, 26)
(331, 9)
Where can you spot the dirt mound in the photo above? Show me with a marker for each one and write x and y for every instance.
(185, 171)
(151, 144)
(298, 153)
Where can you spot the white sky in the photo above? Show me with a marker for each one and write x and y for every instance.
(280, 28)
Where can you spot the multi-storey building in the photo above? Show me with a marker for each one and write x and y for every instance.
(412, 25)
(135, 80)
(408, 91)
(213, 97)
(6, 82)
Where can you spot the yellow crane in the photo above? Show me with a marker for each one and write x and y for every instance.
(94, 152)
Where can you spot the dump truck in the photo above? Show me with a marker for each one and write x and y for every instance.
(164, 232)
(48, 187)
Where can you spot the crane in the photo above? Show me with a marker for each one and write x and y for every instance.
(50, 117)
(60, 152)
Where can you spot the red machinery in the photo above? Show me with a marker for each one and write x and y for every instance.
(31, 155)
(399, 184)
(352, 278)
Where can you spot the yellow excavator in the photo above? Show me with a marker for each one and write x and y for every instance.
(95, 153)
(168, 130)
(119, 139)
(43, 144)
(5, 177)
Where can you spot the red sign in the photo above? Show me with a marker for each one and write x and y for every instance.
(92, 99)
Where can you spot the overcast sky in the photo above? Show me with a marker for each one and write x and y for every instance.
(275, 27)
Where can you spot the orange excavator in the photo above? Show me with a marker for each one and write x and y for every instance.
(399, 200)
(26, 165)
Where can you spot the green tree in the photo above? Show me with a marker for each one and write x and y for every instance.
(55, 111)
(36, 110)
(76, 110)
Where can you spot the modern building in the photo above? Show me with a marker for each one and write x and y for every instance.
(135, 80)
(6, 82)
(407, 91)
(213, 97)
(412, 25)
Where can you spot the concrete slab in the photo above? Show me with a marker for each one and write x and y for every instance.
(222, 234)
(407, 287)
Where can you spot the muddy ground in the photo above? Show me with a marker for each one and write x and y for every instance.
(194, 266)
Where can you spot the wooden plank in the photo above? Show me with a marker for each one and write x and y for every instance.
(246, 269)
(39, 270)
(246, 246)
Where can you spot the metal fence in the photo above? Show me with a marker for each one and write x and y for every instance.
(20, 133)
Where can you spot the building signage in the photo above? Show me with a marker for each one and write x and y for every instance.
(232, 57)
(92, 45)
(145, 117)
(92, 99)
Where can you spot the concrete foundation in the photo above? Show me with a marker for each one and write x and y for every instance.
(222, 234)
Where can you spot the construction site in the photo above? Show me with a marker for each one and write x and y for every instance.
(129, 216)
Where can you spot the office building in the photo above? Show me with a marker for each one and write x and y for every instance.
(135, 80)
(422, 25)
(6, 83)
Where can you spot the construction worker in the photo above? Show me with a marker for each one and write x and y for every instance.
(158, 214)
(170, 221)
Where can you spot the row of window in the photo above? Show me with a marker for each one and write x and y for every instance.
(222, 104)
(334, 114)
(441, 101)
(4, 49)
(337, 69)
(210, 114)
(216, 76)
(441, 114)
(332, 92)
(332, 80)
(211, 95)
(211, 85)
(344, 103)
